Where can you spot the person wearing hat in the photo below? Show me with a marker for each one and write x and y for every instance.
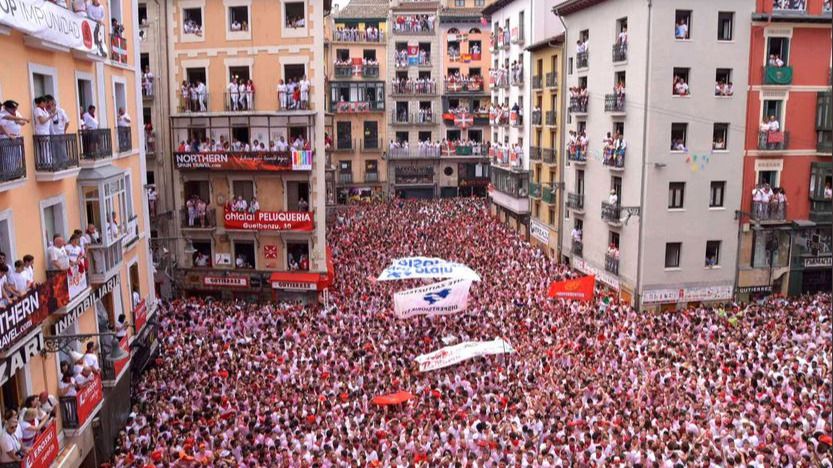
(77, 362)
(11, 120)
(11, 448)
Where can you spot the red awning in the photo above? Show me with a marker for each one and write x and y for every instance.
(304, 280)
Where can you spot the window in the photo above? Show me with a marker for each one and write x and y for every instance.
(297, 196)
(6, 238)
(192, 21)
(244, 189)
(720, 136)
(244, 254)
(551, 214)
(672, 254)
(371, 135)
(369, 54)
(725, 25)
(682, 24)
(712, 253)
(202, 256)
(678, 136)
(681, 83)
(297, 255)
(42, 84)
(821, 181)
(135, 286)
(676, 194)
(294, 15)
(723, 82)
(294, 72)
(716, 193)
(778, 49)
(371, 167)
(824, 123)
(238, 17)
(85, 93)
(53, 222)
(143, 14)
(460, 3)
(479, 3)
(344, 135)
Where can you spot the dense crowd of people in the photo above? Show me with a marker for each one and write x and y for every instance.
(414, 23)
(591, 384)
(410, 85)
(209, 145)
(354, 34)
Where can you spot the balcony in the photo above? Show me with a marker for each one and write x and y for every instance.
(342, 107)
(550, 118)
(460, 87)
(414, 153)
(77, 410)
(345, 145)
(148, 88)
(371, 177)
(536, 117)
(345, 178)
(412, 119)
(96, 144)
(194, 103)
(792, 6)
(769, 212)
(195, 222)
(534, 190)
(614, 158)
(516, 119)
(578, 105)
(536, 82)
(576, 155)
(548, 194)
(821, 210)
(517, 36)
(773, 141)
(125, 139)
(371, 146)
(612, 263)
(778, 75)
(239, 102)
(517, 79)
(343, 72)
(55, 153)
(582, 59)
(105, 260)
(615, 103)
(534, 153)
(413, 89)
(620, 52)
(577, 248)
(575, 201)
(131, 232)
(462, 150)
(370, 71)
(406, 29)
(118, 49)
(549, 155)
(351, 36)
(150, 144)
(12, 159)
(611, 212)
(552, 80)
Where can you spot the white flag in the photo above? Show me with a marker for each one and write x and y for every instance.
(443, 298)
(426, 267)
(451, 355)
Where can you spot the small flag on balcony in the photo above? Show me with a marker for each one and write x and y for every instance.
(463, 120)
(302, 160)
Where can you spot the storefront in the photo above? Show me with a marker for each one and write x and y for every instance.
(678, 298)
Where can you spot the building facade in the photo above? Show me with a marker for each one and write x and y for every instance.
(65, 173)
(357, 68)
(654, 147)
(247, 139)
(545, 155)
(787, 172)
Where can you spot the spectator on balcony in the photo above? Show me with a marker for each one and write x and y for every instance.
(75, 253)
(240, 205)
(89, 118)
(678, 145)
(607, 149)
(619, 148)
(242, 261)
(233, 93)
(58, 126)
(201, 259)
(613, 198)
(828, 191)
(152, 197)
(29, 270)
(681, 29)
(56, 254)
(192, 27)
(16, 284)
(613, 251)
(680, 86)
(304, 86)
(719, 144)
(761, 198)
(120, 328)
(778, 203)
(622, 38)
(302, 204)
(79, 6)
(123, 119)
(85, 376)
(48, 404)
(775, 61)
(11, 446)
(583, 143)
(91, 357)
(200, 92)
(116, 28)
(11, 121)
(42, 121)
(581, 46)
(95, 11)
(147, 82)
(576, 234)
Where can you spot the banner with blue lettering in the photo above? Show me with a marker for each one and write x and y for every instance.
(426, 267)
(443, 298)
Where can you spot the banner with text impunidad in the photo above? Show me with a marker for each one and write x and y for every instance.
(451, 355)
(443, 298)
(426, 267)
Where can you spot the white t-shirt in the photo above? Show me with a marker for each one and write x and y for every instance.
(91, 361)
(95, 12)
(69, 388)
(8, 443)
(11, 127)
(90, 122)
(18, 281)
(73, 252)
(124, 120)
(62, 119)
(41, 128)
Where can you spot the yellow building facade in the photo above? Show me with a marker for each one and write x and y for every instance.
(545, 145)
(75, 162)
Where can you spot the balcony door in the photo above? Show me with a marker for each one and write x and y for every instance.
(344, 135)
(371, 135)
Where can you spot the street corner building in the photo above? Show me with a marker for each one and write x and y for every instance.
(74, 256)
(239, 166)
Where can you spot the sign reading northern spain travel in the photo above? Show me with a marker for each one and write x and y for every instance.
(49, 22)
(426, 267)
(268, 220)
(271, 161)
(443, 298)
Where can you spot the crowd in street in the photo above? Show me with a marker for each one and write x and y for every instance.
(591, 384)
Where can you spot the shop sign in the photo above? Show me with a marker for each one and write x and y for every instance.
(226, 281)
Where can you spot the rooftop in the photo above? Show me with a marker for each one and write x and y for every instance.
(363, 9)
(555, 40)
(461, 13)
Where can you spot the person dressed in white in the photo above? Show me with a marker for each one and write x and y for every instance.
(123, 119)
(305, 85)
(613, 199)
(58, 125)
(282, 94)
(147, 82)
(10, 445)
(41, 122)
(233, 93)
(201, 92)
(89, 118)
(241, 92)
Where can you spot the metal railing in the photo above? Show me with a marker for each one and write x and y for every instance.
(69, 404)
(118, 49)
(370, 71)
(578, 105)
(96, 144)
(534, 153)
(611, 212)
(518, 121)
(547, 194)
(413, 88)
(536, 82)
(549, 155)
(405, 153)
(412, 118)
(575, 201)
(345, 177)
(615, 102)
(620, 52)
(577, 155)
(577, 248)
(12, 159)
(769, 211)
(371, 177)
(125, 139)
(773, 141)
(534, 190)
(517, 79)
(344, 144)
(131, 231)
(550, 118)
(582, 59)
(342, 107)
(552, 80)
(148, 89)
(408, 31)
(55, 153)
(612, 263)
(458, 87)
(614, 158)
(105, 260)
(194, 221)
(195, 103)
(536, 117)
(239, 102)
(357, 36)
(343, 71)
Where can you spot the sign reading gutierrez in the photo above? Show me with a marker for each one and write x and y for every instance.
(268, 220)
(273, 161)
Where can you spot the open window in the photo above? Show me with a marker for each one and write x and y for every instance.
(682, 24)
(135, 286)
(294, 15)
(723, 85)
(725, 25)
(720, 138)
(679, 133)
(244, 255)
(53, 222)
(294, 72)
(681, 86)
(203, 253)
(238, 17)
(297, 196)
(778, 51)
(297, 255)
(712, 253)
(192, 21)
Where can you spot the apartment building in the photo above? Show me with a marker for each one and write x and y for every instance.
(357, 68)
(247, 134)
(785, 212)
(545, 155)
(655, 150)
(80, 169)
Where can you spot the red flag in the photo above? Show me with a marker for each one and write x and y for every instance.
(579, 289)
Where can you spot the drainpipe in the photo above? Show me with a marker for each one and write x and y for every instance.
(563, 163)
(642, 211)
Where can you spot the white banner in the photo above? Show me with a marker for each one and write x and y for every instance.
(451, 355)
(426, 267)
(443, 298)
(49, 22)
